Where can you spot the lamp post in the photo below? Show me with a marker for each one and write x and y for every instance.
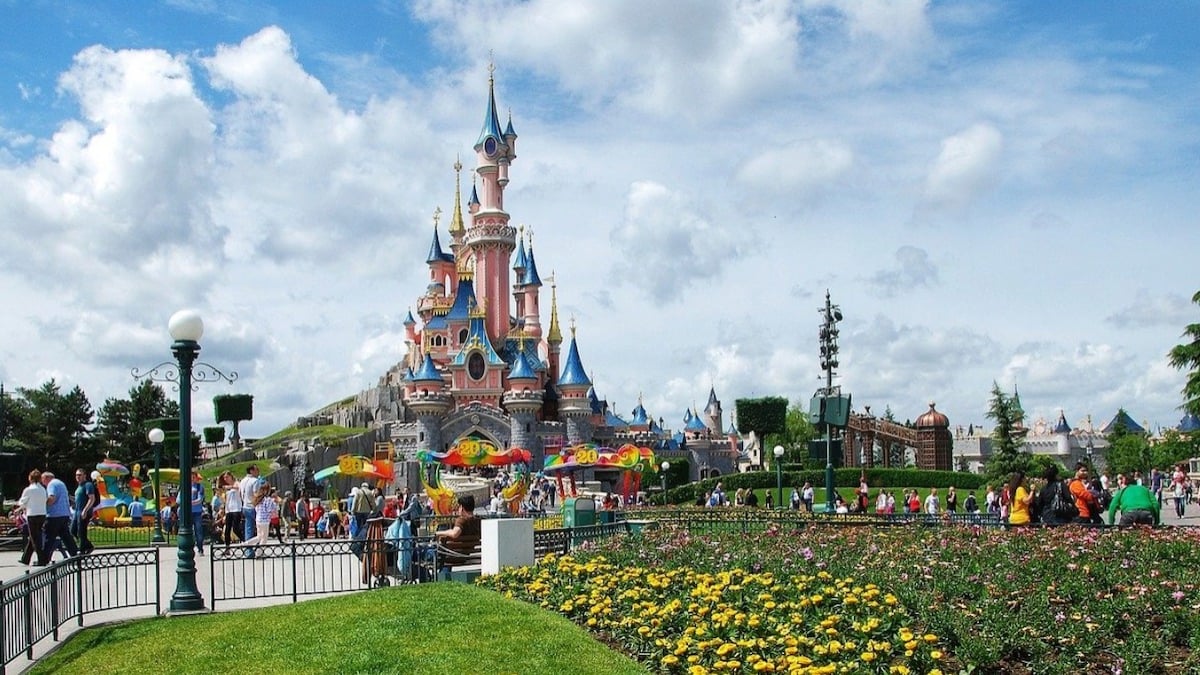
(664, 466)
(156, 436)
(186, 327)
(828, 334)
(778, 475)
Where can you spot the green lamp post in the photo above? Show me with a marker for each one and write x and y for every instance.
(156, 436)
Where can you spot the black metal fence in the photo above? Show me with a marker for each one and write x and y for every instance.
(35, 605)
(751, 521)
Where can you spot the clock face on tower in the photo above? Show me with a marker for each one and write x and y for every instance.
(489, 147)
(475, 366)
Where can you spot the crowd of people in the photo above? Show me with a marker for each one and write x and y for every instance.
(1050, 499)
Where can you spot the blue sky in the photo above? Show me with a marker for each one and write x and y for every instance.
(992, 191)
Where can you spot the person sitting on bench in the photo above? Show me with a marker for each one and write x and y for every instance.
(463, 538)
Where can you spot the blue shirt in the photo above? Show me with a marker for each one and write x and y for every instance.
(136, 509)
(61, 508)
(81, 495)
(197, 497)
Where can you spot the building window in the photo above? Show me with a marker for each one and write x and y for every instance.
(462, 336)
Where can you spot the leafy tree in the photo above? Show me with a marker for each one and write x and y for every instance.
(1174, 448)
(1129, 453)
(122, 423)
(797, 432)
(1186, 356)
(52, 428)
(1008, 437)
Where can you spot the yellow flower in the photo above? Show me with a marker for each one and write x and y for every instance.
(930, 638)
(867, 657)
(935, 655)
(670, 660)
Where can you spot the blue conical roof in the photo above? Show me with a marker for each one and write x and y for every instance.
(611, 419)
(695, 424)
(464, 300)
(687, 415)
(508, 130)
(531, 274)
(521, 262)
(428, 372)
(1062, 427)
(573, 372)
(409, 320)
(436, 254)
(474, 196)
(491, 121)
(1123, 418)
(521, 370)
(712, 400)
(733, 430)
(639, 414)
(1189, 423)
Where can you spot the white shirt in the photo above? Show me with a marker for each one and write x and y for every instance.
(248, 486)
(233, 500)
(33, 500)
(1104, 482)
(931, 505)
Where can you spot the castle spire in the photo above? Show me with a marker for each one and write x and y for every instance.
(456, 218)
(554, 336)
(573, 372)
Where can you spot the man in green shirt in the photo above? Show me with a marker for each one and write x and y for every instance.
(1138, 506)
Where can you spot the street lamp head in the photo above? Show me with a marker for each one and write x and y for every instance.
(156, 435)
(666, 466)
(778, 451)
(186, 326)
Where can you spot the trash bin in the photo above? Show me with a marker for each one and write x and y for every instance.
(579, 512)
(607, 516)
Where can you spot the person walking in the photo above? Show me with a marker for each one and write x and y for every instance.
(85, 504)
(234, 522)
(198, 511)
(33, 502)
(302, 516)
(265, 508)
(1179, 489)
(58, 517)
(951, 500)
(249, 486)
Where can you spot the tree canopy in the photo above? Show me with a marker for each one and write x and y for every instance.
(1186, 356)
(1008, 436)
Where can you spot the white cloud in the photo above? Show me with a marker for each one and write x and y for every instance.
(1147, 309)
(965, 167)
(800, 168)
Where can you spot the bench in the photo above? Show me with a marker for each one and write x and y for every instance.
(459, 566)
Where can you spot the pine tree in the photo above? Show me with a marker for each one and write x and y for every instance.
(1008, 436)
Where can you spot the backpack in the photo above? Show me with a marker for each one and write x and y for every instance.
(1062, 503)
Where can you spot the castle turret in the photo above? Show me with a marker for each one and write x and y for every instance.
(457, 228)
(712, 412)
(520, 262)
(523, 400)
(574, 407)
(531, 284)
(428, 400)
(490, 239)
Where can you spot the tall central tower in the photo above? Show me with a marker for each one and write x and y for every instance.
(490, 240)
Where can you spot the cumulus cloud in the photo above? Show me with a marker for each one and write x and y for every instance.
(648, 57)
(667, 243)
(965, 168)
(1147, 310)
(800, 168)
(913, 269)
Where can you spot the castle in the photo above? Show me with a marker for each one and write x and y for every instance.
(479, 362)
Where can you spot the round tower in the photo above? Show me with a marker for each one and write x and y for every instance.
(522, 401)
(427, 398)
(574, 408)
(934, 443)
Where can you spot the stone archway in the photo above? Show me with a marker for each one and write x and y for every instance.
(478, 421)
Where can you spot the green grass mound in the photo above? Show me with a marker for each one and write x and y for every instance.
(431, 628)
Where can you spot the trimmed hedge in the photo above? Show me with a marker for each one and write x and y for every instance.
(842, 478)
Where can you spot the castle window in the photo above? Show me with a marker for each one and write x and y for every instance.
(421, 437)
(462, 336)
(528, 427)
(475, 366)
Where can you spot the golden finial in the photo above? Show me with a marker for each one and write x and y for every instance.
(521, 336)
(456, 218)
(437, 216)
(572, 326)
(491, 65)
(457, 163)
(554, 335)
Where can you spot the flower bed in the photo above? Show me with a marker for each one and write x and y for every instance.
(1065, 600)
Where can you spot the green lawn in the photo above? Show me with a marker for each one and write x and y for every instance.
(430, 628)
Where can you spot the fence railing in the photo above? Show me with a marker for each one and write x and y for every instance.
(35, 605)
(750, 521)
